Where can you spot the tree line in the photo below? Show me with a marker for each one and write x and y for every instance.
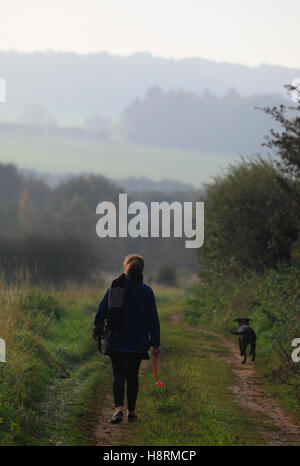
(206, 123)
(52, 231)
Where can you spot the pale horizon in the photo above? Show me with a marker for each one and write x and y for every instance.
(250, 33)
(144, 52)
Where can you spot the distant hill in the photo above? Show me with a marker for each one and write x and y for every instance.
(130, 184)
(52, 180)
(72, 85)
(145, 184)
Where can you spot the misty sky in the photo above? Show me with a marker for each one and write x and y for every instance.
(240, 31)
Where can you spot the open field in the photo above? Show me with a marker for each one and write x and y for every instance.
(114, 160)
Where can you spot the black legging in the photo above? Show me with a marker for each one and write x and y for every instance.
(125, 367)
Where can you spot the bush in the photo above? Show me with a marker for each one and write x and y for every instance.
(47, 259)
(167, 275)
(36, 302)
(248, 220)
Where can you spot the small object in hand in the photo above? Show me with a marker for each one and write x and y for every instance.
(160, 384)
(156, 351)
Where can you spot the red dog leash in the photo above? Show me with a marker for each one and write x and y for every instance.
(160, 384)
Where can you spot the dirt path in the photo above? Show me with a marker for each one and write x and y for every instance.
(277, 427)
(250, 394)
(106, 434)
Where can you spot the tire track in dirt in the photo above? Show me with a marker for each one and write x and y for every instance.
(249, 393)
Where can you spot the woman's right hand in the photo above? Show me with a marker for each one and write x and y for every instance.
(156, 351)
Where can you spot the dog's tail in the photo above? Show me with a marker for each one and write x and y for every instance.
(237, 333)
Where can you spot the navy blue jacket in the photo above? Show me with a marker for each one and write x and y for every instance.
(141, 319)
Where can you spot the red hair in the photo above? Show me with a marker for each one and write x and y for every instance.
(133, 264)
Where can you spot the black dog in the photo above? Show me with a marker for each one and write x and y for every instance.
(246, 336)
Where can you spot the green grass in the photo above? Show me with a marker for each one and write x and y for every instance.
(53, 377)
(54, 381)
(194, 406)
(272, 301)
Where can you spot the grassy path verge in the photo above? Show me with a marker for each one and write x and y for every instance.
(70, 404)
(250, 393)
(53, 378)
(196, 405)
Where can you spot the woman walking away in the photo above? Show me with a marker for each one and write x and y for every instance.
(127, 316)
